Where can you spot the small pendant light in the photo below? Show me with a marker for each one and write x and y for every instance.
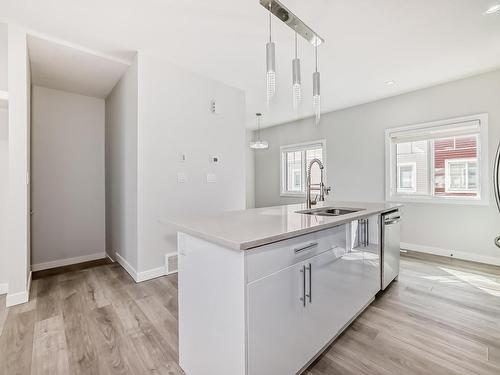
(259, 144)
(316, 88)
(270, 64)
(296, 79)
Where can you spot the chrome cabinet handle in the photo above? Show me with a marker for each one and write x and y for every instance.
(303, 298)
(309, 268)
(496, 176)
(306, 247)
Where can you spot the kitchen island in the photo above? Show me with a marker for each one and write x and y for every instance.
(264, 291)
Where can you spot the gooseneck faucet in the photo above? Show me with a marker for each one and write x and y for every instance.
(323, 190)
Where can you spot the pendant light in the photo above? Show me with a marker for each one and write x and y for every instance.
(259, 144)
(270, 64)
(316, 87)
(296, 80)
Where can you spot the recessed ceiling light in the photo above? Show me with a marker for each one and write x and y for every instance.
(390, 83)
(493, 9)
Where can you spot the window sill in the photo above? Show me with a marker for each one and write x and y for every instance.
(450, 201)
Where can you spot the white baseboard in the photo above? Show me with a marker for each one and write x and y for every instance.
(451, 253)
(21, 297)
(151, 274)
(4, 288)
(126, 265)
(140, 276)
(67, 261)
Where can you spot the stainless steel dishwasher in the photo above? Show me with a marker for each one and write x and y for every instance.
(390, 247)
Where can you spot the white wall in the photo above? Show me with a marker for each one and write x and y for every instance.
(4, 161)
(121, 168)
(174, 119)
(18, 259)
(355, 157)
(67, 183)
(4, 190)
(3, 56)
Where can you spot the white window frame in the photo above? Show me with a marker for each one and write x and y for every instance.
(482, 198)
(283, 167)
(465, 161)
(413, 189)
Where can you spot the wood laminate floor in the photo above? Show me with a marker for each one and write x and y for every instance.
(441, 317)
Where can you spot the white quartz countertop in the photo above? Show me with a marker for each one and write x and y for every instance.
(247, 229)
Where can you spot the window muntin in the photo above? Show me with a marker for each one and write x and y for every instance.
(294, 162)
(450, 160)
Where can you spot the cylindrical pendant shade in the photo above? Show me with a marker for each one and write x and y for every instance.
(271, 71)
(296, 71)
(316, 84)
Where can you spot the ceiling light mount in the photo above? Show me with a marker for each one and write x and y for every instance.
(294, 22)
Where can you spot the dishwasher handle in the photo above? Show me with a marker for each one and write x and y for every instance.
(392, 220)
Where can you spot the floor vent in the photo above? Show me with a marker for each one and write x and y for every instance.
(171, 263)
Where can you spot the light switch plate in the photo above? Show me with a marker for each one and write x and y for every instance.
(211, 178)
(182, 178)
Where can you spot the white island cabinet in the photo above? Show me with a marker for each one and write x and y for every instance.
(272, 308)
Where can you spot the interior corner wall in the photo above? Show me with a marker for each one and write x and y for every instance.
(121, 170)
(355, 147)
(67, 179)
(175, 120)
(18, 260)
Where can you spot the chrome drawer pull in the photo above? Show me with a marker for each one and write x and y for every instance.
(303, 298)
(310, 282)
(300, 249)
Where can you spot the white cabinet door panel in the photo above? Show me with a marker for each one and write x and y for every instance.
(276, 323)
(337, 294)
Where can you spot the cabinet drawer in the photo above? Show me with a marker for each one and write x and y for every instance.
(265, 260)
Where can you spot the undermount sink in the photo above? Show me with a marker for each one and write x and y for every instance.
(329, 211)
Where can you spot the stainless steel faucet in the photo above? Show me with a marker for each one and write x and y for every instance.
(323, 190)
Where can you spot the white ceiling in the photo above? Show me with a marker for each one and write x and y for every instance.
(415, 43)
(63, 67)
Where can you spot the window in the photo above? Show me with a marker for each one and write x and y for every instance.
(461, 176)
(444, 161)
(407, 177)
(294, 162)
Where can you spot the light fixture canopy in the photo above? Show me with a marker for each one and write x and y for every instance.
(259, 144)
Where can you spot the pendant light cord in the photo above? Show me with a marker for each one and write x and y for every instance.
(316, 55)
(258, 128)
(296, 48)
(270, 39)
